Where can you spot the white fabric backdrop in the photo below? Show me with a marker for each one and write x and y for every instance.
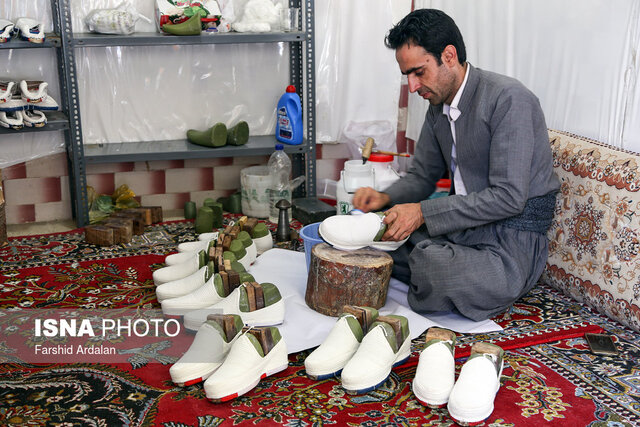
(578, 56)
(357, 76)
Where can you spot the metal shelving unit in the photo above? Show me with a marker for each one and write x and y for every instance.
(302, 75)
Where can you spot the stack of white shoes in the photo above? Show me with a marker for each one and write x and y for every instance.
(470, 398)
(365, 360)
(355, 231)
(258, 304)
(21, 104)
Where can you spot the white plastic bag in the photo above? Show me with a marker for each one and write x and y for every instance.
(120, 20)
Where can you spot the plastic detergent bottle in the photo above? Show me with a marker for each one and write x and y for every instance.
(279, 166)
(289, 121)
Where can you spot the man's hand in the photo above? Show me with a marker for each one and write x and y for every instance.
(367, 199)
(402, 220)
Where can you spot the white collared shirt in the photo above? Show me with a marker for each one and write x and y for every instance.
(452, 113)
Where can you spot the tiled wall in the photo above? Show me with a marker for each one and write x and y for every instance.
(38, 190)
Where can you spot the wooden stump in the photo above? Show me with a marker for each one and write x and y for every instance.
(338, 278)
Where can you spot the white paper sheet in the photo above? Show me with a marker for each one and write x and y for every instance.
(305, 328)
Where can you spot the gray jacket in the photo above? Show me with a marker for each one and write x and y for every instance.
(503, 153)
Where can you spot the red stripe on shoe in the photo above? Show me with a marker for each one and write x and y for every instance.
(192, 382)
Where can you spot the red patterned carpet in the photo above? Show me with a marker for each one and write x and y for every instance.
(550, 376)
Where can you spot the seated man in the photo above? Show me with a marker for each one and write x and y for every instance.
(484, 246)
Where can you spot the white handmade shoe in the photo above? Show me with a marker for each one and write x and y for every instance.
(47, 104)
(195, 246)
(240, 253)
(387, 344)
(33, 91)
(7, 89)
(179, 271)
(204, 296)
(249, 246)
(179, 257)
(30, 29)
(12, 119)
(350, 232)
(213, 235)
(262, 238)
(435, 374)
(6, 30)
(240, 302)
(472, 396)
(180, 287)
(208, 350)
(249, 360)
(13, 103)
(341, 344)
(34, 118)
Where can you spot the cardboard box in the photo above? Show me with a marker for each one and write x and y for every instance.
(177, 11)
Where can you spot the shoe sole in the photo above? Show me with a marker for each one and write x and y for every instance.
(249, 387)
(431, 404)
(321, 377)
(370, 388)
(191, 381)
(471, 423)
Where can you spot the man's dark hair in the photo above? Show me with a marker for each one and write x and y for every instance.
(431, 29)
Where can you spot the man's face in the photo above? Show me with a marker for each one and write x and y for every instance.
(433, 82)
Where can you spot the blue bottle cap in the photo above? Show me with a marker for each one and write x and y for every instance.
(279, 147)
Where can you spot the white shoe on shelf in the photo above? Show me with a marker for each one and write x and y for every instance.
(472, 396)
(242, 301)
(249, 246)
(208, 350)
(47, 104)
(341, 344)
(7, 89)
(387, 344)
(33, 91)
(180, 287)
(350, 232)
(6, 31)
(251, 358)
(206, 295)
(13, 103)
(12, 119)
(179, 271)
(435, 374)
(34, 118)
(30, 29)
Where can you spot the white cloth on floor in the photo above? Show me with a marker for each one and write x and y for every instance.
(304, 328)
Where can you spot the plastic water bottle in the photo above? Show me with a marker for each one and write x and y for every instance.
(279, 166)
(289, 121)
